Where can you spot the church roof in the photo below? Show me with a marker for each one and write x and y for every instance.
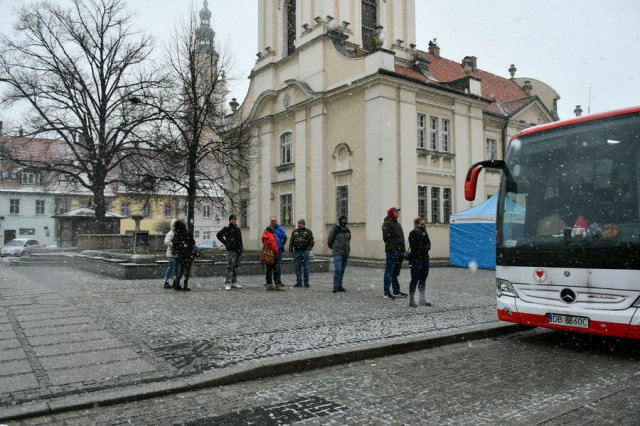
(505, 97)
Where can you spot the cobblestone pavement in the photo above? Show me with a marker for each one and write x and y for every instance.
(65, 332)
(532, 377)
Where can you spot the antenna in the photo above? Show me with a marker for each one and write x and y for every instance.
(589, 105)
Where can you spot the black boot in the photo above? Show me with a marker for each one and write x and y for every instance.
(176, 286)
(167, 285)
(186, 286)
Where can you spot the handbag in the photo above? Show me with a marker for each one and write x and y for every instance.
(267, 256)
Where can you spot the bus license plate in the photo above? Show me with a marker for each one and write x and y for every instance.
(568, 320)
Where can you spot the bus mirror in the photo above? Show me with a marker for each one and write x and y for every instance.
(471, 181)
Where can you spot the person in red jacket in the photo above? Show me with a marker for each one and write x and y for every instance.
(269, 239)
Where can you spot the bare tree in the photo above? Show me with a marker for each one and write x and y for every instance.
(78, 70)
(197, 149)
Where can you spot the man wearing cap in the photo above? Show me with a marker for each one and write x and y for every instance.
(394, 248)
(301, 244)
(231, 237)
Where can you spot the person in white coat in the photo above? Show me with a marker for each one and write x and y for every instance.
(170, 273)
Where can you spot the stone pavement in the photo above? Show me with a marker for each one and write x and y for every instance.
(71, 339)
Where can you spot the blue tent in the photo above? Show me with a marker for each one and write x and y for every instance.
(472, 236)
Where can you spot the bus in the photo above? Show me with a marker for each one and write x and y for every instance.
(568, 225)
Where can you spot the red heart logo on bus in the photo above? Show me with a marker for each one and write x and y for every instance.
(539, 275)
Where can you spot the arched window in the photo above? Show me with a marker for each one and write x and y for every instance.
(285, 148)
(291, 26)
(369, 24)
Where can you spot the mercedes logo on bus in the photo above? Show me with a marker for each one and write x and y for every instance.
(568, 295)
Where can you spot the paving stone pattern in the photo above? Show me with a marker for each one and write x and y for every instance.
(529, 378)
(65, 332)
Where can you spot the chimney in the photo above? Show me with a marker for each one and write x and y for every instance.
(469, 64)
(578, 111)
(434, 49)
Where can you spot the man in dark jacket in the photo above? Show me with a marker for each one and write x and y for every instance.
(339, 242)
(394, 248)
(301, 244)
(231, 237)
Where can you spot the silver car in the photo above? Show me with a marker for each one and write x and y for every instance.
(19, 247)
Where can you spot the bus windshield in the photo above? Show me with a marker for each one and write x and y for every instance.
(575, 199)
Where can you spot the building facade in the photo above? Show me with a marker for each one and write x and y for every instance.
(353, 118)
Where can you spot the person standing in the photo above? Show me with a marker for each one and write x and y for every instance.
(182, 245)
(301, 244)
(171, 266)
(339, 242)
(269, 239)
(231, 237)
(281, 239)
(419, 246)
(394, 248)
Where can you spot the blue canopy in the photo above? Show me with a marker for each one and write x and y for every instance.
(472, 236)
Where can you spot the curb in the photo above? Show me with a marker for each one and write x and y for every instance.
(254, 370)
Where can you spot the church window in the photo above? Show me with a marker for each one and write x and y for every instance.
(286, 210)
(435, 204)
(444, 135)
(342, 201)
(369, 24)
(491, 149)
(285, 148)
(291, 27)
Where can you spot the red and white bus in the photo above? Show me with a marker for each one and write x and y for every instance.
(568, 225)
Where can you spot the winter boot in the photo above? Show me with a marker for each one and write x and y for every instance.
(186, 286)
(423, 301)
(270, 286)
(167, 285)
(176, 286)
(412, 302)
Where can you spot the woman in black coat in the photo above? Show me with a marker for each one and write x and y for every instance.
(419, 244)
(183, 248)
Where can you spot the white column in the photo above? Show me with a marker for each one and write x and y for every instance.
(408, 157)
(300, 159)
(316, 184)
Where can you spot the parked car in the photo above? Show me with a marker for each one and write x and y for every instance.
(19, 247)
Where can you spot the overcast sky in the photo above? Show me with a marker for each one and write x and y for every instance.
(576, 46)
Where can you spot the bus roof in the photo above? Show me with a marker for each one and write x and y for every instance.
(577, 120)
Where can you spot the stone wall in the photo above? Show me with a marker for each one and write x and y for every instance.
(117, 242)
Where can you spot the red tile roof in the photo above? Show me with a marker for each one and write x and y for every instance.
(504, 95)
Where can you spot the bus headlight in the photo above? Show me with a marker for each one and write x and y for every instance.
(504, 288)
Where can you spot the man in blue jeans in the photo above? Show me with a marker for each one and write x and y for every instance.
(301, 244)
(394, 248)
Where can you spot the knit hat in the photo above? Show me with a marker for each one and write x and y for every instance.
(391, 211)
(301, 221)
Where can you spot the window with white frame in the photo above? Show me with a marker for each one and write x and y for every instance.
(30, 178)
(206, 235)
(285, 148)
(439, 134)
(491, 149)
(196, 234)
(444, 135)
(422, 201)
(433, 133)
(342, 201)
(146, 210)
(286, 210)
(435, 204)
(125, 208)
(206, 210)
(422, 124)
(39, 207)
(168, 210)
(446, 205)
(14, 206)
